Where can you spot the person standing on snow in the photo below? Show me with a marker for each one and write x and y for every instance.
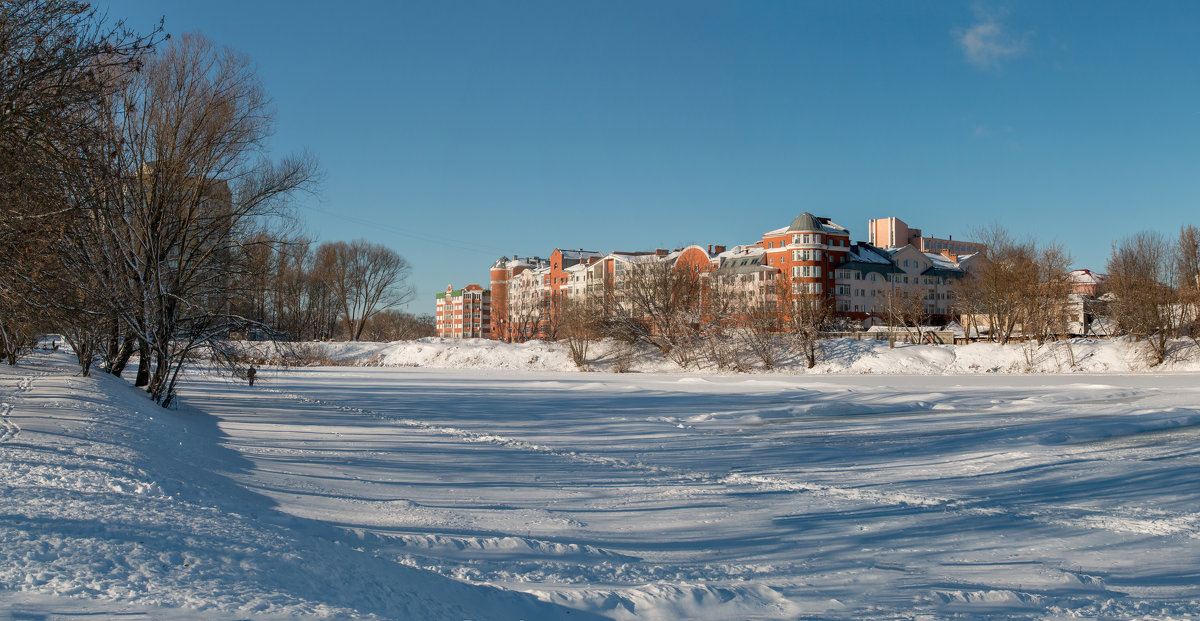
(250, 373)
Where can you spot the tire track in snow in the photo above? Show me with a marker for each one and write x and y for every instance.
(1070, 516)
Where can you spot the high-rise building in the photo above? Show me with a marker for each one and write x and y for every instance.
(464, 313)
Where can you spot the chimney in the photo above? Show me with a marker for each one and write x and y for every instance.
(661, 252)
(719, 249)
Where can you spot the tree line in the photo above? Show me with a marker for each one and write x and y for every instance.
(141, 213)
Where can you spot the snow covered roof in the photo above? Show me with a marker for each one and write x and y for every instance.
(941, 261)
(515, 261)
(743, 264)
(864, 257)
(866, 253)
(580, 254)
(1085, 277)
(743, 250)
(634, 257)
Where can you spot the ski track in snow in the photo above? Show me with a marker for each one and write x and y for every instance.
(587, 567)
(1157, 523)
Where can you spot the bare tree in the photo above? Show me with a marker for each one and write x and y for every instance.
(724, 301)
(1187, 279)
(172, 195)
(58, 60)
(762, 328)
(578, 318)
(907, 310)
(364, 279)
(18, 328)
(1144, 303)
(993, 292)
(667, 298)
(807, 314)
(1044, 314)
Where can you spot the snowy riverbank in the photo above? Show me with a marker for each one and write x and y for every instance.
(841, 356)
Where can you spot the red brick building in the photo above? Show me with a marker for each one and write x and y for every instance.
(464, 313)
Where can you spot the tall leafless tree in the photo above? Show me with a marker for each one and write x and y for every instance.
(1044, 314)
(807, 315)
(58, 60)
(1187, 278)
(665, 296)
(174, 193)
(364, 278)
(1144, 301)
(992, 293)
(577, 320)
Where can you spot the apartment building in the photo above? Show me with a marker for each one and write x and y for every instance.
(464, 313)
(872, 275)
(503, 273)
(812, 254)
(807, 251)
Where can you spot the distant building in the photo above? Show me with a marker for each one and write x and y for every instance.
(807, 251)
(889, 233)
(812, 255)
(504, 273)
(870, 274)
(1086, 282)
(464, 313)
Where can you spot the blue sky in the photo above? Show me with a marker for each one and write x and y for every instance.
(456, 132)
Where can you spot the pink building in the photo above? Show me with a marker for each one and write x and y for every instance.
(889, 233)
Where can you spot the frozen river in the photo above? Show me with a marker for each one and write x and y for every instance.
(666, 496)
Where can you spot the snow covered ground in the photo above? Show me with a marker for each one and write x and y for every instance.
(488, 490)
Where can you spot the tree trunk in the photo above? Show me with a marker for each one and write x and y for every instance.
(143, 374)
(121, 359)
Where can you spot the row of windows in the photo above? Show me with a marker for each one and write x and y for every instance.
(811, 238)
(806, 271)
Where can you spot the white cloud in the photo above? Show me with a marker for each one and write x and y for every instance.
(987, 44)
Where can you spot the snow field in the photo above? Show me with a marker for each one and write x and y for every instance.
(110, 505)
(499, 483)
(668, 496)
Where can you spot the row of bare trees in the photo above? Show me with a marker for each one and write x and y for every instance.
(140, 210)
(1154, 289)
(298, 290)
(1020, 288)
(1151, 291)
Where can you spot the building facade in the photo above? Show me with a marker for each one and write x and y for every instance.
(811, 256)
(464, 313)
